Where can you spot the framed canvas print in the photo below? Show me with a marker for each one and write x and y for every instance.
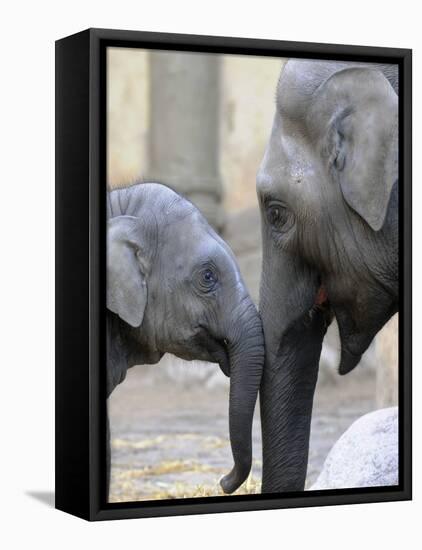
(233, 229)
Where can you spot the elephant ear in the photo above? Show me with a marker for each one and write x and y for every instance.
(363, 139)
(126, 284)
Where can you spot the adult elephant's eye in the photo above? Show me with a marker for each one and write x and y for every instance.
(274, 214)
(279, 217)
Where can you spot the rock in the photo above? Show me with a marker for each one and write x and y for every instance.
(366, 455)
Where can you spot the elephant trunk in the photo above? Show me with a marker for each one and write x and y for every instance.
(294, 327)
(246, 352)
(286, 398)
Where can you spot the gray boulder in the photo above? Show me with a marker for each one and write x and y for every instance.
(366, 455)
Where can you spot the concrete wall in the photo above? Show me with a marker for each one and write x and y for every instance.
(127, 115)
(387, 348)
(246, 111)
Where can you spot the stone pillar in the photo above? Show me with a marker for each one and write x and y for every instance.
(184, 128)
(387, 350)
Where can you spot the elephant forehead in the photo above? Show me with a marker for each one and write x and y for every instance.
(192, 244)
(289, 165)
(298, 82)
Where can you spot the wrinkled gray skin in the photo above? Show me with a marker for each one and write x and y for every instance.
(173, 285)
(328, 195)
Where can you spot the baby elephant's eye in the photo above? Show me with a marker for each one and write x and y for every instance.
(208, 279)
(208, 276)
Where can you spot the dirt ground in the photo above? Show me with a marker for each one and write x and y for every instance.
(171, 440)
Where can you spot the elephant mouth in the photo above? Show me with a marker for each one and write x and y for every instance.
(321, 305)
(321, 298)
(221, 355)
(217, 350)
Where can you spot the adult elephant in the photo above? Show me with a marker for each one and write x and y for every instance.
(173, 285)
(328, 193)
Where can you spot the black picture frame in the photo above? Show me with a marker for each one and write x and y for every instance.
(80, 272)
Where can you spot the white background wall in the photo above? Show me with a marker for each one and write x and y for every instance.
(27, 273)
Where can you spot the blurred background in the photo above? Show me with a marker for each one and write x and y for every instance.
(200, 123)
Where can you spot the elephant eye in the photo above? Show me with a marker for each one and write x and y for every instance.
(278, 216)
(208, 279)
(274, 214)
(208, 276)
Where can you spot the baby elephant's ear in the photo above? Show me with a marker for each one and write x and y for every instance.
(363, 139)
(126, 285)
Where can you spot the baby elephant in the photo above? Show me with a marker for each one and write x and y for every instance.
(173, 285)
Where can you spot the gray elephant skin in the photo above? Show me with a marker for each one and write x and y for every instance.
(328, 194)
(173, 285)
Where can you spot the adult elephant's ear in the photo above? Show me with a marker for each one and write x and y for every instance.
(362, 146)
(126, 284)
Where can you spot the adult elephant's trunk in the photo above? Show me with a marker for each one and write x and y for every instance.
(294, 327)
(246, 351)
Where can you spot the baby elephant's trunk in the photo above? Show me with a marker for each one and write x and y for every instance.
(246, 350)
